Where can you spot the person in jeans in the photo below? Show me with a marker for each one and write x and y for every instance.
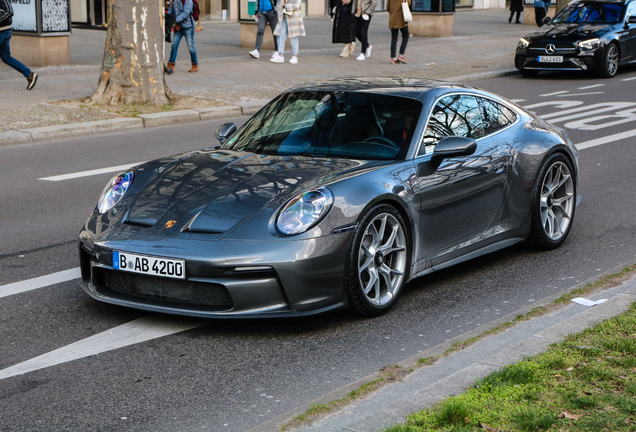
(266, 13)
(6, 14)
(183, 27)
(540, 10)
(290, 23)
(397, 23)
(364, 13)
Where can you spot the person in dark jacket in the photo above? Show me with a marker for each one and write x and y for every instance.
(184, 26)
(516, 6)
(344, 26)
(6, 14)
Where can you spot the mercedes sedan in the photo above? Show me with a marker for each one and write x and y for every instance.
(333, 195)
(598, 35)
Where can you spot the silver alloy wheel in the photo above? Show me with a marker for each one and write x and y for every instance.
(382, 259)
(612, 60)
(557, 201)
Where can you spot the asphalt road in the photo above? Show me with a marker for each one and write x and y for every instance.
(235, 375)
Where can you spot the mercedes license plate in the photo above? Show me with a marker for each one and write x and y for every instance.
(155, 266)
(550, 59)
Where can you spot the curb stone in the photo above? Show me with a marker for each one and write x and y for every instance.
(50, 133)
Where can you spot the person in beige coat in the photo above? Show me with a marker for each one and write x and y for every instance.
(397, 23)
(364, 13)
(290, 23)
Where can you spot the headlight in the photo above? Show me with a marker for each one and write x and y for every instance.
(591, 44)
(304, 211)
(115, 190)
(523, 43)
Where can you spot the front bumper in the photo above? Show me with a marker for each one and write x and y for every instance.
(573, 59)
(224, 278)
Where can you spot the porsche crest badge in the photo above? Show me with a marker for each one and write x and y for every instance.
(170, 223)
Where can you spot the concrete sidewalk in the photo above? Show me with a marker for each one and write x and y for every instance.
(452, 374)
(484, 42)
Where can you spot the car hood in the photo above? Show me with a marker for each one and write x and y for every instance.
(214, 191)
(569, 32)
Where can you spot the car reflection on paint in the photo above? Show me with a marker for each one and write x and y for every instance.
(334, 195)
(595, 35)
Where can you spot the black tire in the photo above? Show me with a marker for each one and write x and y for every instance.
(384, 254)
(553, 207)
(611, 61)
(528, 72)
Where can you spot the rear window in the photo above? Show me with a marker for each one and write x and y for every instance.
(590, 12)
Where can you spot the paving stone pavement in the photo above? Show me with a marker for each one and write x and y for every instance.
(483, 41)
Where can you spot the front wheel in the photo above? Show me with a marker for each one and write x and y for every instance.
(611, 61)
(553, 203)
(378, 262)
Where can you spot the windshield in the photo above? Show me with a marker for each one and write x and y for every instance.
(352, 125)
(591, 12)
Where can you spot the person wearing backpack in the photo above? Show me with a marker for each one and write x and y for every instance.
(266, 13)
(6, 14)
(183, 11)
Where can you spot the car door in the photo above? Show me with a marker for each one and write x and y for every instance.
(628, 39)
(460, 199)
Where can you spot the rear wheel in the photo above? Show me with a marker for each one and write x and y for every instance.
(553, 203)
(378, 262)
(611, 61)
(528, 72)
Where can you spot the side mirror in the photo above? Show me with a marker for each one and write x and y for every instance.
(631, 19)
(225, 131)
(547, 20)
(452, 146)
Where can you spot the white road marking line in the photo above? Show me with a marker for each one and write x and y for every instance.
(606, 139)
(89, 173)
(591, 86)
(39, 282)
(517, 100)
(555, 93)
(140, 330)
(629, 79)
(580, 94)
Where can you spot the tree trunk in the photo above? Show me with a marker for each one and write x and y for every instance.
(132, 68)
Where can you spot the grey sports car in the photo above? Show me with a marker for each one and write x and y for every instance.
(334, 195)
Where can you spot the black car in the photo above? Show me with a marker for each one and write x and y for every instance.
(585, 35)
(334, 194)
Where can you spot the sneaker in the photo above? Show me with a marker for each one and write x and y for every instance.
(361, 57)
(255, 54)
(401, 59)
(32, 79)
(394, 61)
(293, 60)
(275, 54)
(367, 53)
(278, 59)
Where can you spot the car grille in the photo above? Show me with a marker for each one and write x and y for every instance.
(560, 49)
(168, 290)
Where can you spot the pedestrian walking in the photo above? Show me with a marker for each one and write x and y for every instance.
(516, 6)
(345, 26)
(265, 13)
(168, 21)
(540, 10)
(6, 14)
(183, 27)
(397, 24)
(290, 24)
(364, 13)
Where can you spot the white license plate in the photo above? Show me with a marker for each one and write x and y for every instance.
(156, 266)
(550, 59)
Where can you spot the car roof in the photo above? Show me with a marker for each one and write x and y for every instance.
(414, 88)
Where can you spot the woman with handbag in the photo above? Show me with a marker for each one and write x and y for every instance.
(397, 22)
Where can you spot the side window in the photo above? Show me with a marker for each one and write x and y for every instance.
(495, 115)
(456, 115)
(631, 10)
